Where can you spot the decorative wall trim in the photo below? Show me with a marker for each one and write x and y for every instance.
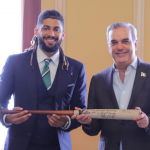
(22, 16)
(60, 5)
(138, 22)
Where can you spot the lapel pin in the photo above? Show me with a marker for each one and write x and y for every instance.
(143, 74)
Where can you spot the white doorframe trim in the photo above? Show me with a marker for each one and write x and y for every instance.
(138, 22)
(60, 5)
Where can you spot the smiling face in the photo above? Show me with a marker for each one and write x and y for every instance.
(121, 46)
(50, 35)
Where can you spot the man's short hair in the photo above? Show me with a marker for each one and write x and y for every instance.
(53, 14)
(122, 24)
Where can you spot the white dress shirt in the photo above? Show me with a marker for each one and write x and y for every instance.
(123, 91)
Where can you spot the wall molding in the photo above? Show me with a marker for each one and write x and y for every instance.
(60, 5)
(138, 22)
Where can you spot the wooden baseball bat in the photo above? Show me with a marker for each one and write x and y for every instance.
(120, 114)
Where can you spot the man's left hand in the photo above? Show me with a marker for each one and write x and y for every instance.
(57, 120)
(142, 120)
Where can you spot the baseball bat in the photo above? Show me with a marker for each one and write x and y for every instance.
(119, 114)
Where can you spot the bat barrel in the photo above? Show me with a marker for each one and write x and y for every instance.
(118, 114)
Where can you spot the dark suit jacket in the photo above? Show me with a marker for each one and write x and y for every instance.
(102, 96)
(19, 78)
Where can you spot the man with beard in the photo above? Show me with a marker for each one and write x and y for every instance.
(42, 78)
(124, 85)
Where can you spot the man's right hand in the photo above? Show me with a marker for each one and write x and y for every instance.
(18, 118)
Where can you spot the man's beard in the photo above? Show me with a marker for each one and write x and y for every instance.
(46, 48)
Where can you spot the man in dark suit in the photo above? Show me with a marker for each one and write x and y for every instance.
(42, 78)
(125, 85)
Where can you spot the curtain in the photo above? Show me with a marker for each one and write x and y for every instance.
(31, 10)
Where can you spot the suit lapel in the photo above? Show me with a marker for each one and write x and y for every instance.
(109, 86)
(30, 77)
(138, 82)
(64, 77)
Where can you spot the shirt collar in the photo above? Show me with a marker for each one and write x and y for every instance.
(41, 56)
(133, 64)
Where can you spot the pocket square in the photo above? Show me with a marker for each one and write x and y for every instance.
(70, 85)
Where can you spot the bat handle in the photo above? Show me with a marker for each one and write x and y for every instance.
(0, 111)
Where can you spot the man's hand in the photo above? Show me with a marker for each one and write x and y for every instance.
(57, 120)
(18, 118)
(141, 120)
(83, 119)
